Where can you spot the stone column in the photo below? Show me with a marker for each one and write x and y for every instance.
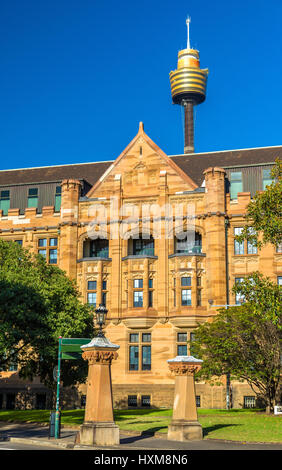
(184, 425)
(99, 427)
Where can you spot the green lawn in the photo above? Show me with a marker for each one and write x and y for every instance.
(238, 425)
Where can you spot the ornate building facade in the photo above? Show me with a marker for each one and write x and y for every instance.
(152, 237)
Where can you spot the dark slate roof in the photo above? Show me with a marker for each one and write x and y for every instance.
(194, 164)
(89, 172)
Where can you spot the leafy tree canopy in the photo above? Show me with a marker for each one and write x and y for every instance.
(39, 303)
(243, 344)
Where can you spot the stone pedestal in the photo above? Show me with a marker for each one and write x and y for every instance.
(99, 427)
(184, 425)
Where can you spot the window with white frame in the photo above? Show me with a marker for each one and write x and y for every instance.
(238, 246)
(239, 298)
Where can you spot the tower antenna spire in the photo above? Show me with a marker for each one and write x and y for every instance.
(188, 21)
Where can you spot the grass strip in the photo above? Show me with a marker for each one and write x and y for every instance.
(237, 425)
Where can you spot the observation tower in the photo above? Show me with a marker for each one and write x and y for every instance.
(188, 87)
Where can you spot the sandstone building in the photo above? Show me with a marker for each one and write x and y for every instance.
(157, 285)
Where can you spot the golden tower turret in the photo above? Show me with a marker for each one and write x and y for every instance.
(188, 88)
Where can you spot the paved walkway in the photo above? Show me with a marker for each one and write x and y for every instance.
(34, 434)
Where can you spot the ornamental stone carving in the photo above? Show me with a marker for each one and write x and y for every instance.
(184, 365)
(101, 357)
(182, 368)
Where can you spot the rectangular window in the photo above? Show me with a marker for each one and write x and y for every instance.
(138, 294)
(186, 298)
(104, 293)
(279, 248)
(99, 248)
(150, 293)
(19, 242)
(251, 249)
(132, 400)
(140, 352)
(92, 293)
(198, 401)
(266, 178)
(134, 338)
(4, 202)
(42, 242)
(53, 256)
(146, 357)
(146, 337)
(249, 402)
(236, 184)
(145, 401)
(32, 197)
(133, 357)
(182, 350)
(199, 297)
(238, 246)
(150, 299)
(279, 280)
(92, 285)
(185, 281)
(58, 197)
(42, 253)
(138, 299)
(138, 284)
(142, 246)
(239, 298)
(182, 337)
(46, 248)
(92, 298)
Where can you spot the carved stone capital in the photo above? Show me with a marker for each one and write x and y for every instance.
(182, 368)
(184, 365)
(100, 357)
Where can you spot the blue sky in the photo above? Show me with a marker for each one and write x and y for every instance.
(77, 76)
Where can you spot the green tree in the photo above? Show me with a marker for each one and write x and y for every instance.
(263, 219)
(39, 303)
(243, 344)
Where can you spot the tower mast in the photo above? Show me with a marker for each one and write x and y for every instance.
(188, 87)
(188, 21)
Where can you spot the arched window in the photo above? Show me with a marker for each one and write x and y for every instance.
(141, 246)
(190, 242)
(98, 248)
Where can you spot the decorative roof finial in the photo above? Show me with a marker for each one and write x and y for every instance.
(188, 21)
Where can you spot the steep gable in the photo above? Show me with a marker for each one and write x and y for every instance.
(139, 167)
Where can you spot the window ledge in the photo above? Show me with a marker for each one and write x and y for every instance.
(139, 257)
(93, 258)
(246, 254)
(174, 255)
